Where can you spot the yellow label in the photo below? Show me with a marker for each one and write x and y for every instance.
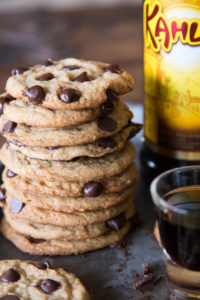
(172, 74)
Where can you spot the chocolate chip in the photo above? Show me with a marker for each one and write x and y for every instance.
(106, 142)
(10, 276)
(16, 206)
(15, 142)
(114, 69)
(35, 94)
(146, 269)
(116, 223)
(35, 241)
(107, 124)
(46, 77)
(48, 62)
(71, 68)
(2, 102)
(18, 71)
(82, 77)
(49, 286)
(42, 265)
(106, 108)
(53, 148)
(9, 98)
(111, 95)
(10, 174)
(9, 297)
(140, 283)
(2, 195)
(69, 95)
(9, 127)
(92, 189)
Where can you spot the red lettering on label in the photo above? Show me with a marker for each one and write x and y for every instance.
(161, 26)
(193, 30)
(183, 29)
(148, 19)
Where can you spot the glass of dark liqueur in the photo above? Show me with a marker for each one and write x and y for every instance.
(176, 196)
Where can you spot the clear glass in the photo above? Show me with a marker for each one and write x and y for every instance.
(176, 196)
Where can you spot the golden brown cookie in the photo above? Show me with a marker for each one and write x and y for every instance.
(83, 169)
(71, 189)
(99, 148)
(60, 247)
(69, 84)
(34, 280)
(53, 232)
(67, 136)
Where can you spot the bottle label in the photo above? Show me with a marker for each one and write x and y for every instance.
(172, 77)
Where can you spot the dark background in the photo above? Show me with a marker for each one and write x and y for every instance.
(112, 34)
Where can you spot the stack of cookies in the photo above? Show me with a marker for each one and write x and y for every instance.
(69, 172)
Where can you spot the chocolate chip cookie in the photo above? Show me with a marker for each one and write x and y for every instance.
(43, 187)
(83, 169)
(65, 136)
(63, 247)
(53, 232)
(70, 84)
(98, 148)
(22, 280)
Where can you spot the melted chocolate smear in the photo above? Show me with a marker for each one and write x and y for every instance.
(16, 206)
(10, 276)
(49, 286)
(106, 142)
(42, 265)
(35, 241)
(10, 174)
(69, 95)
(2, 195)
(48, 62)
(46, 77)
(111, 95)
(9, 297)
(35, 94)
(92, 189)
(82, 77)
(71, 68)
(114, 69)
(116, 223)
(9, 127)
(107, 124)
(19, 70)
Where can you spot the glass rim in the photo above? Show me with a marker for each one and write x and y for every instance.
(160, 202)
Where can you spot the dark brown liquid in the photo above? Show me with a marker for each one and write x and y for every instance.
(180, 236)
